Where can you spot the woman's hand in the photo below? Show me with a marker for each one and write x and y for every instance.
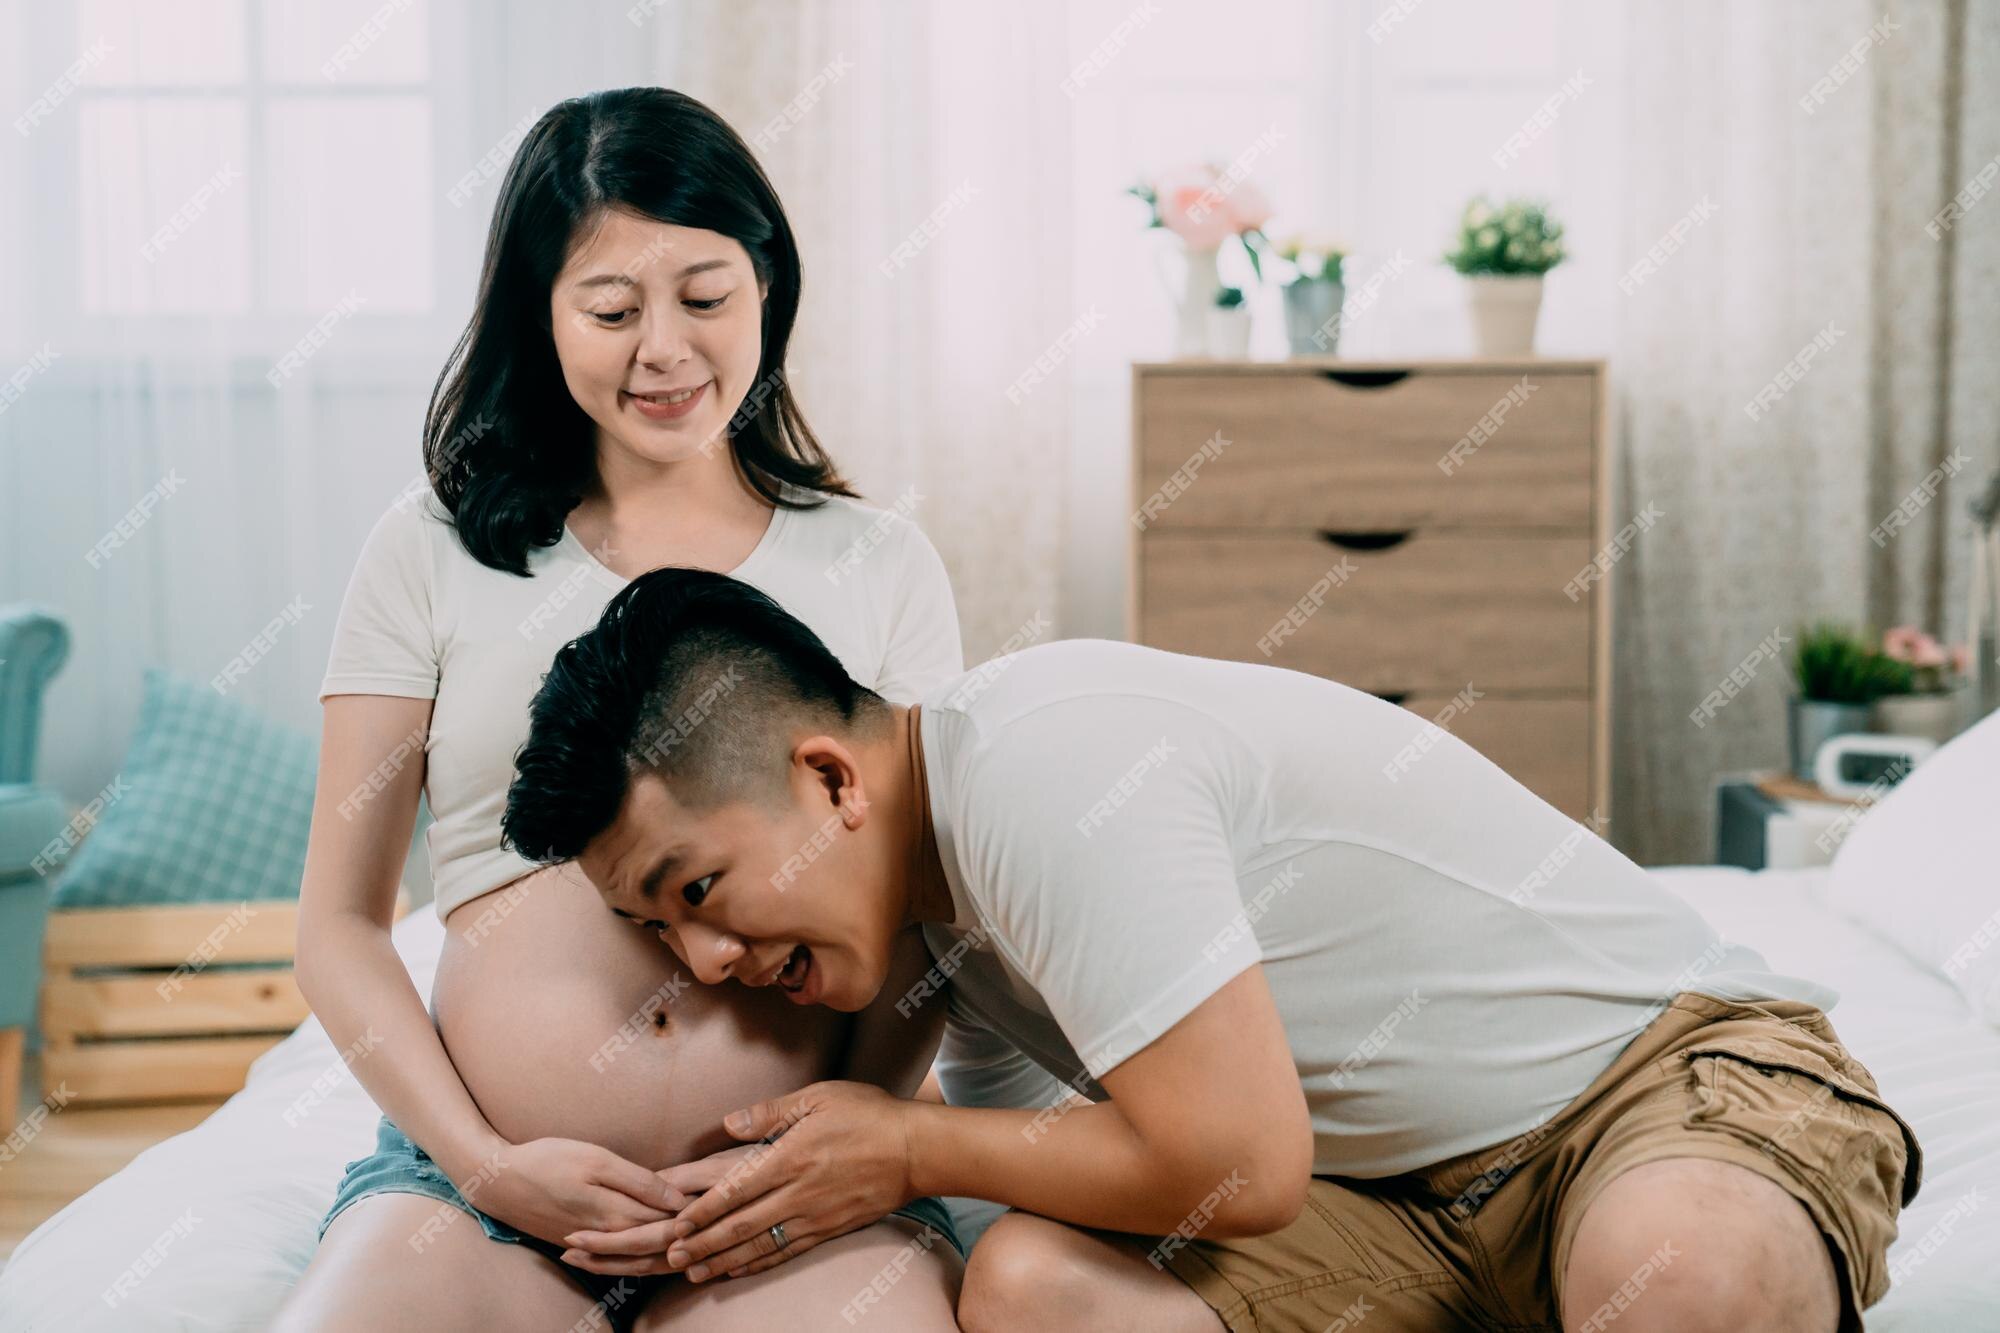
(838, 1160)
(552, 1187)
(641, 1251)
(705, 1173)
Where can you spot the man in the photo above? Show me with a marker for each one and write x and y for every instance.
(1363, 1030)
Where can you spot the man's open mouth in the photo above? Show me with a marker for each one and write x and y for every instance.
(793, 975)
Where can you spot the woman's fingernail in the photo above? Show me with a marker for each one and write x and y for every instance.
(737, 1121)
(677, 1256)
(698, 1272)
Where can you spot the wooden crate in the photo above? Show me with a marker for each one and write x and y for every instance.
(151, 1004)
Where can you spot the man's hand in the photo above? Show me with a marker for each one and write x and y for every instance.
(550, 1187)
(838, 1160)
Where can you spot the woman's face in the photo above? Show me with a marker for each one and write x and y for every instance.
(646, 311)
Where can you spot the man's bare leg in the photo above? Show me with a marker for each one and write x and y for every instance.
(1692, 1245)
(1030, 1273)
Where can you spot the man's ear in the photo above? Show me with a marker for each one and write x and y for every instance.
(836, 777)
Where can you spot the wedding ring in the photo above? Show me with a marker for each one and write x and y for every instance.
(778, 1236)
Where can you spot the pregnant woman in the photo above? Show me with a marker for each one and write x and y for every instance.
(619, 402)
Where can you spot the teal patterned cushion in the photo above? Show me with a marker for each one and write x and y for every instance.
(213, 804)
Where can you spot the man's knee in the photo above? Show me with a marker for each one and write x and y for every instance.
(1692, 1245)
(1018, 1277)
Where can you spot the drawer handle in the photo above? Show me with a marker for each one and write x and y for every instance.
(1366, 379)
(1392, 696)
(1365, 541)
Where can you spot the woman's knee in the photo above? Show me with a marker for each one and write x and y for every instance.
(1022, 1273)
(891, 1276)
(1028, 1272)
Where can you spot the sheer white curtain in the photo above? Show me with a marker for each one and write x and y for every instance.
(922, 153)
(223, 277)
(1826, 137)
(240, 236)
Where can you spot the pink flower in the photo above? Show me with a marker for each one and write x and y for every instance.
(1247, 206)
(1193, 207)
(1961, 659)
(1205, 208)
(1907, 643)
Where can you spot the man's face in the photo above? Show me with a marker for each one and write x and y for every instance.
(787, 891)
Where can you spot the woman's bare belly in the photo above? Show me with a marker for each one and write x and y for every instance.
(567, 1021)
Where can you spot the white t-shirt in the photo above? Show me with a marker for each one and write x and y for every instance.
(423, 619)
(1125, 830)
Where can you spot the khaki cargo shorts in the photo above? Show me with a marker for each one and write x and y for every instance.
(1478, 1240)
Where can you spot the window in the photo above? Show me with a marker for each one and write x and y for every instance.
(257, 159)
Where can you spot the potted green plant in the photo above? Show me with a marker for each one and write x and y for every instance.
(1927, 701)
(1503, 250)
(1314, 294)
(1840, 674)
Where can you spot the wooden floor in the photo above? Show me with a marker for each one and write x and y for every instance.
(75, 1149)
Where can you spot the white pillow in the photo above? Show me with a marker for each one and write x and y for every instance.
(1922, 869)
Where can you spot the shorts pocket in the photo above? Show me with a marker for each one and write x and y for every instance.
(1794, 1101)
(1828, 1131)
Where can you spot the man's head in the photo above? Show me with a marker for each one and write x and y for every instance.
(704, 759)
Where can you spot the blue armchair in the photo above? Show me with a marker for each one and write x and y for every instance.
(33, 647)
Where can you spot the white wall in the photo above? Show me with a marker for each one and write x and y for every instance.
(1379, 140)
(1383, 142)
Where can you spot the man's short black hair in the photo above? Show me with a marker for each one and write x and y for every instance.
(690, 674)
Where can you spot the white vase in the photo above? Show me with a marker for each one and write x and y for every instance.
(1199, 284)
(1504, 311)
(1229, 332)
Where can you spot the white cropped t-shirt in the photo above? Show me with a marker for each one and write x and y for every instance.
(424, 620)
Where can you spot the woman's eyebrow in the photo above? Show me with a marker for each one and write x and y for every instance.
(626, 280)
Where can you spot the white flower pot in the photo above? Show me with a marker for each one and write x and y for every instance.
(1504, 311)
(1937, 717)
(1229, 332)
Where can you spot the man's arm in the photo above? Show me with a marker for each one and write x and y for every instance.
(1206, 1125)
(1206, 1132)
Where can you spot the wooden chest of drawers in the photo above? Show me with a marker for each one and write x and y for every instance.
(1409, 528)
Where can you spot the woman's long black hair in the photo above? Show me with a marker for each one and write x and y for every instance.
(507, 448)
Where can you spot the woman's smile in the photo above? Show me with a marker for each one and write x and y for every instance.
(666, 406)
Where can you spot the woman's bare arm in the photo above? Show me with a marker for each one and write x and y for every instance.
(371, 771)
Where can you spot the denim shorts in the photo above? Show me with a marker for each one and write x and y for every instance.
(399, 1166)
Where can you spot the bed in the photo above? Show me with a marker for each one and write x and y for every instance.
(1937, 1062)
(229, 1208)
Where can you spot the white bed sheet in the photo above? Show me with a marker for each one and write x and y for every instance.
(256, 1185)
(1935, 1060)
